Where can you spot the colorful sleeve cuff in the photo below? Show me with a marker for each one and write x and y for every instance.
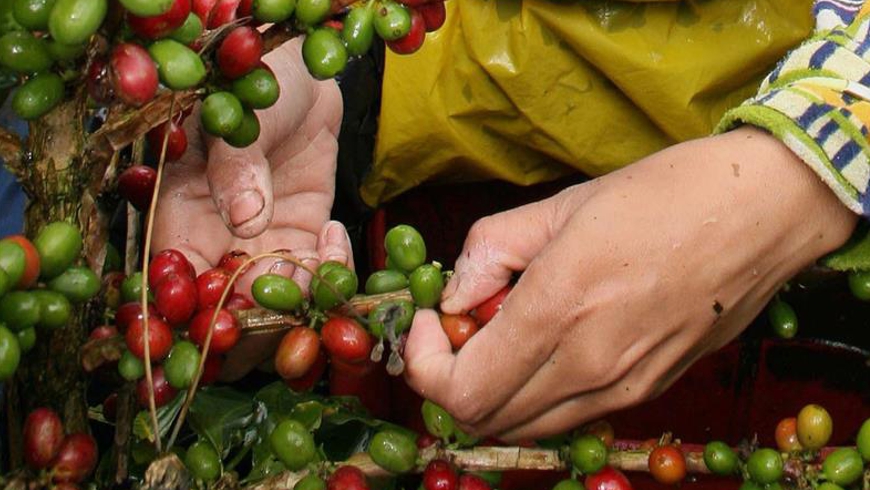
(817, 102)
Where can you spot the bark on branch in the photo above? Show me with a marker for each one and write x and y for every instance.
(11, 150)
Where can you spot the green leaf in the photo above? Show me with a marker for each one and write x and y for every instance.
(225, 417)
(142, 426)
(854, 255)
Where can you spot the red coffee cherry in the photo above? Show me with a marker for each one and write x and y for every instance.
(43, 437)
(226, 330)
(133, 74)
(76, 459)
(240, 52)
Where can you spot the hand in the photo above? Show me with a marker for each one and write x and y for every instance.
(628, 280)
(275, 194)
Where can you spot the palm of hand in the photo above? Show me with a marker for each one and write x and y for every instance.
(276, 194)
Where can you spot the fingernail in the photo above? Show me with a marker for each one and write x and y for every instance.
(283, 268)
(245, 207)
(335, 239)
(335, 234)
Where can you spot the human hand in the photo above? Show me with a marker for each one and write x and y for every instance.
(275, 194)
(628, 280)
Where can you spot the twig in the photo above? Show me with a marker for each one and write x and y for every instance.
(126, 411)
(256, 321)
(149, 230)
(633, 459)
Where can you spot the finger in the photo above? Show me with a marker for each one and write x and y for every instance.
(493, 251)
(333, 244)
(482, 376)
(299, 244)
(428, 356)
(241, 186)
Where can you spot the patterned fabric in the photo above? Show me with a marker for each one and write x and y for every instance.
(817, 101)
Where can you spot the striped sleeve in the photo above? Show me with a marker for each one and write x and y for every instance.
(817, 101)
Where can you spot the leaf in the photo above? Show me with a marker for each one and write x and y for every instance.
(854, 255)
(142, 426)
(310, 413)
(225, 417)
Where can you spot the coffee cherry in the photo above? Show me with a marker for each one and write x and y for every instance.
(147, 8)
(223, 13)
(237, 302)
(190, 31)
(405, 247)
(426, 284)
(484, 312)
(210, 285)
(128, 312)
(392, 21)
(159, 338)
(136, 184)
(310, 378)
(233, 261)
(169, 262)
(131, 367)
(765, 466)
(203, 9)
(312, 12)
(293, 444)
(247, 133)
(158, 26)
(385, 281)
(473, 482)
(310, 482)
(273, 10)
(667, 465)
(297, 352)
(22, 52)
(221, 113)
(211, 370)
(133, 74)
(410, 42)
(347, 478)
(26, 339)
(30, 266)
(54, 309)
(240, 52)
(359, 31)
(814, 427)
(176, 144)
(843, 467)
(226, 330)
(607, 479)
(786, 435)
(75, 21)
(720, 458)
(32, 14)
(76, 459)
(335, 283)
(78, 284)
(43, 436)
(181, 365)
(393, 451)
(163, 392)
(434, 14)
(459, 329)
(588, 454)
(258, 89)
(203, 461)
(438, 421)
(324, 54)
(346, 339)
(276, 292)
(176, 298)
(103, 332)
(439, 475)
(179, 67)
(10, 353)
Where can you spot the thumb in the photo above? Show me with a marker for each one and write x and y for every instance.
(241, 186)
(496, 247)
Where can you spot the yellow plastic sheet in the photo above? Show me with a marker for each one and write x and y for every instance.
(527, 91)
